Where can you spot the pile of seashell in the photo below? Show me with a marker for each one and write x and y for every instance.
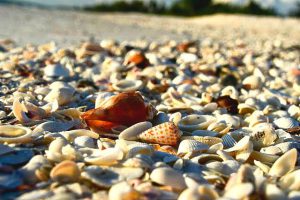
(140, 120)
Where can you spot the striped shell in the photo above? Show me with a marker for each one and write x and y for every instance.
(285, 122)
(165, 133)
(191, 146)
(228, 141)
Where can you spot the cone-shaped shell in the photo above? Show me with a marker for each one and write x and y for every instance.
(165, 133)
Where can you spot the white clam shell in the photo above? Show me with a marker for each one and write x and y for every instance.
(72, 134)
(56, 70)
(61, 95)
(15, 134)
(107, 156)
(285, 122)
(235, 121)
(239, 191)
(199, 192)
(253, 81)
(168, 176)
(84, 141)
(191, 146)
(139, 148)
(242, 150)
(291, 180)
(127, 85)
(195, 122)
(273, 192)
(132, 132)
(121, 190)
(263, 135)
(284, 164)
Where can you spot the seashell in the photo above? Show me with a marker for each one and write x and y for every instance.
(160, 118)
(127, 108)
(231, 92)
(286, 163)
(175, 118)
(10, 181)
(228, 103)
(203, 139)
(101, 177)
(168, 177)
(195, 122)
(255, 118)
(136, 58)
(187, 58)
(19, 111)
(15, 134)
(274, 150)
(205, 158)
(62, 95)
(136, 163)
(166, 133)
(228, 141)
(28, 170)
(123, 190)
(294, 111)
(263, 157)
(286, 146)
(290, 181)
(36, 194)
(252, 82)
(107, 156)
(245, 108)
(53, 126)
(205, 133)
(215, 147)
(285, 123)
(224, 155)
(127, 85)
(4, 149)
(132, 132)
(101, 97)
(139, 148)
(224, 168)
(220, 126)
(231, 120)
(60, 84)
(55, 71)
(263, 135)
(274, 192)
(84, 141)
(239, 191)
(242, 150)
(294, 195)
(200, 192)
(191, 146)
(240, 133)
(210, 107)
(72, 134)
(66, 171)
(265, 168)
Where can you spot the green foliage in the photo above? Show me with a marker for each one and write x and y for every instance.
(182, 8)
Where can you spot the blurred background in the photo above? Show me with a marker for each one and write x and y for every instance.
(174, 7)
(69, 21)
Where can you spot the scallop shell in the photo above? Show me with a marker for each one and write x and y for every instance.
(66, 171)
(246, 109)
(107, 156)
(191, 146)
(286, 163)
(15, 134)
(285, 122)
(168, 177)
(195, 122)
(127, 85)
(205, 133)
(166, 133)
(228, 141)
(235, 121)
(203, 139)
(132, 132)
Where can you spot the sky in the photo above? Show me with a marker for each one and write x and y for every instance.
(281, 6)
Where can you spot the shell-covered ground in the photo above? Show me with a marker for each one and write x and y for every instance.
(187, 119)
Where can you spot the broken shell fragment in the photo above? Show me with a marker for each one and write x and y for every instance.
(284, 164)
(15, 134)
(107, 156)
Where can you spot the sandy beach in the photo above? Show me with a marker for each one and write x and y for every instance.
(32, 25)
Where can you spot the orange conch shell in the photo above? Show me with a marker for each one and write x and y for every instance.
(165, 133)
(126, 108)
